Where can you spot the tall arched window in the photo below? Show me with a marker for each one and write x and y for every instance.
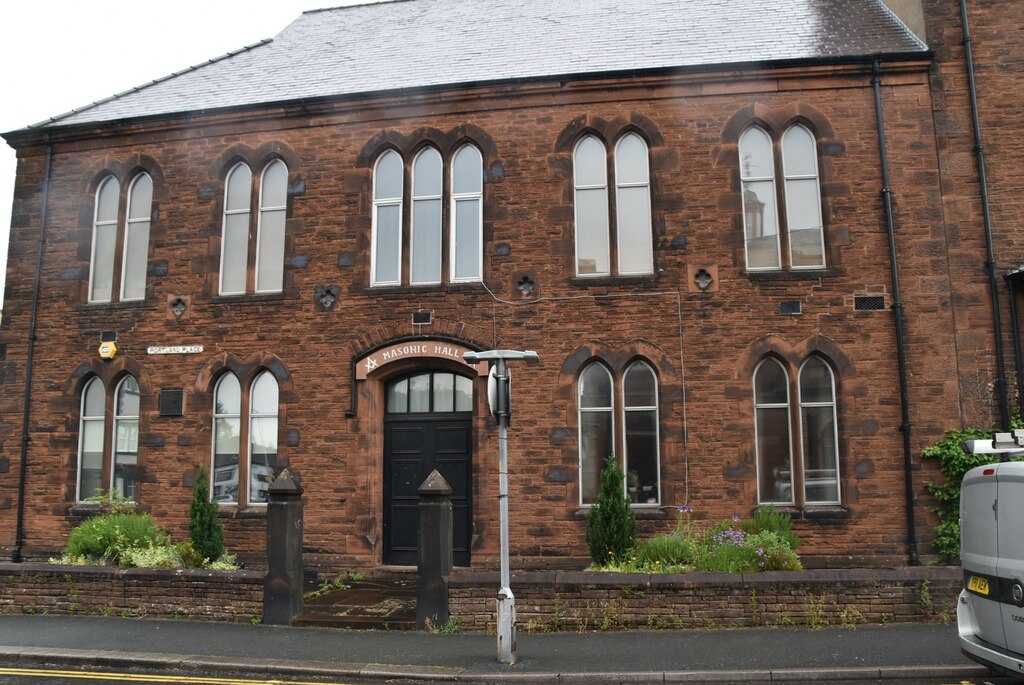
(790, 215)
(126, 438)
(136, 238)
(427, 180)
(267, 237)
(590, 176)
(597, 428)
(227, 429)
(818, 431)
(467, 215)
(760, 215)
(234, 248)
(386, 265)
(771, 426)
(640, 426)
(803, 199)
(104, 241)
(271, 229)
(633, 212)
(90, 439)
(262, 437)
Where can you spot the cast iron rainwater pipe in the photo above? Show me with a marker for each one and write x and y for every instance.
(19, 534)
(897, 312)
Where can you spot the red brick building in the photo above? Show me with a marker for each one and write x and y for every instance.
(293, 245)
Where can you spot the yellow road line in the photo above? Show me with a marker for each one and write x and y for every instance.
(146, 678)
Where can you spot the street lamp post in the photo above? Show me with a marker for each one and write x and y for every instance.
(499, 397)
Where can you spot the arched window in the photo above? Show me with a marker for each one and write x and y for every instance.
(126, 438)
(641, 457)
(633, 200)
(596, 427)
(591, 202)
(90, 439)
(386, 265)
(803, 199)
(104, 241)
(771, 426)
(270, 233)
(427, 179)
(136, 238)
(467, 215)
(267, 236)
(262, 437)
(760, 216)
(234, 248)
(430, 392)
(818, 432)
(800, 227)
(227, 429)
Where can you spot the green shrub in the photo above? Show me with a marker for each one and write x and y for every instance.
(772, 520)
(206, 529)
(112, 502)
(954, 463)
(190, 556)
(773, 551)
(666, 551)
(111, 534)
(611, 526)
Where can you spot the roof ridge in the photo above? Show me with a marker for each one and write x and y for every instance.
(136, 89)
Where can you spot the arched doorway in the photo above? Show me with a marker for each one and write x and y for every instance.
(427, 425)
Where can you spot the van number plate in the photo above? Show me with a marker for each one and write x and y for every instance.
(978, 584)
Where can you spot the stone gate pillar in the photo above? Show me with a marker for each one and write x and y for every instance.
(435, 552)
(282, 586)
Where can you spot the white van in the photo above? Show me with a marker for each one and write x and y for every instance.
(990, 611)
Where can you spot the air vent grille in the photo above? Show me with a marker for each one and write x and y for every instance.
(869, 303)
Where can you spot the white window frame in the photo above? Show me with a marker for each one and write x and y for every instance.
(787, 405)
(247, 211)
(264, 210)
(118, 419)
(377, 205)
(787, 177)
(97, 224)
(577, 187)
(626, 408)
(138, 224)
(417, 197)
(581, 410)
(643, 232)
(744, 180)
(253, 414)
(453, 232)
(86, 419)
(835, 429)
(213, 443)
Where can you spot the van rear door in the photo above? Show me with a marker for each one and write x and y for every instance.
(1010, 524)
(979, 551)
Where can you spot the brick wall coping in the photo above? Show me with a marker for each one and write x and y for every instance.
(245, 577)
(461, 578)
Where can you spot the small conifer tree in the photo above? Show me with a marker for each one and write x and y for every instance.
(206, 529)
(611, 526)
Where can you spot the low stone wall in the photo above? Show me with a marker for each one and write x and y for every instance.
(602, 601)
(235, 596)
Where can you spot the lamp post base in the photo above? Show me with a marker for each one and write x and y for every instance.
(506, 626)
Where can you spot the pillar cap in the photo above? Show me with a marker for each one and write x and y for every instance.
(435, 485)
(285, 484)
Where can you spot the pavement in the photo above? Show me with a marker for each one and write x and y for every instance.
(748, 655)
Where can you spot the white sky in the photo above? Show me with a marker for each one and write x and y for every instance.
(58, 55)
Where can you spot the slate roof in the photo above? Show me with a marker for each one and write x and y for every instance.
(409, 44)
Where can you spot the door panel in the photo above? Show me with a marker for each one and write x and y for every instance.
(415, 445)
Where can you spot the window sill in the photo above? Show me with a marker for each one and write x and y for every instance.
(114, 304)
(254, 298)
(819, 513)
(587, 281)
(790, 274)
(405, 289)
(235, 512)
(642, 512)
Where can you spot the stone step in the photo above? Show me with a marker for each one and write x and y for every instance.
(367, 604)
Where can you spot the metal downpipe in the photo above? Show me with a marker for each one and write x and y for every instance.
(990, 257)
(897, 310)
(19, 534)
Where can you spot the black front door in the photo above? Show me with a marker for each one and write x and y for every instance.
(428, 426)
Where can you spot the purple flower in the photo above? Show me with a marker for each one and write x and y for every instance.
(685, 507)
(735, 518)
